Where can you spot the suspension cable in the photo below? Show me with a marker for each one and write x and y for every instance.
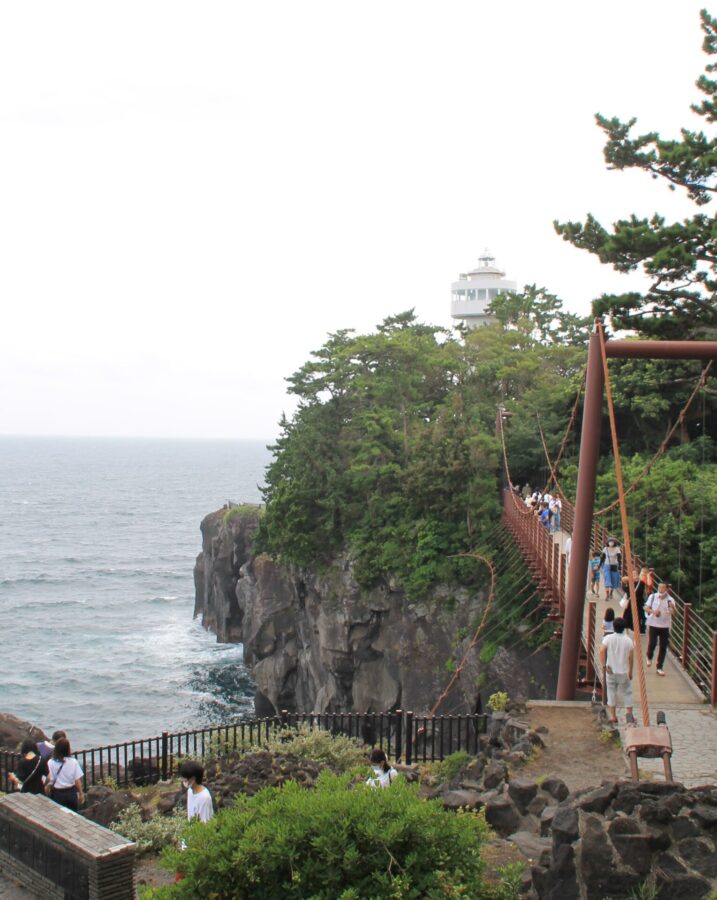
(663, 446)
(553, 474)
(568, 430)
(625, 528)
(481, 624)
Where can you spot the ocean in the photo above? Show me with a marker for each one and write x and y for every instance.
(98, 539)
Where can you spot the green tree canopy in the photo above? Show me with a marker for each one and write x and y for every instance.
(680, 258)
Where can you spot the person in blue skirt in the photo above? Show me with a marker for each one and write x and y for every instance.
(611, 561)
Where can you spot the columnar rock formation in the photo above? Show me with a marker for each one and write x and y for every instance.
(316, 641)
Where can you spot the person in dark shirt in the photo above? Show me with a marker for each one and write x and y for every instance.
(47, 748)
(29, 777)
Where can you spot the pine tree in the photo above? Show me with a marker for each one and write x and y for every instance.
(680, 257)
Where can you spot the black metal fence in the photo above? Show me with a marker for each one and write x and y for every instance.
(403, 736)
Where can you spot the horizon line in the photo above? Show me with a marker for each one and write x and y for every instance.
(134, 437)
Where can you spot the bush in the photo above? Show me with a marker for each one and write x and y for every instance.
(497, 702)
(338, 751)
(153, 835)
(332, 843)
(450, 766)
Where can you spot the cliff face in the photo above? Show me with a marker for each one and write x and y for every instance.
(319, 642)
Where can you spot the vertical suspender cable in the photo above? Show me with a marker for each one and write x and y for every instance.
(625, 531)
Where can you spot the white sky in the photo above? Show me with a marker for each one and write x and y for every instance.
(192, 195)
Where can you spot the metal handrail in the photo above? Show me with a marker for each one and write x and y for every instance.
(401, 734)
(695, 642)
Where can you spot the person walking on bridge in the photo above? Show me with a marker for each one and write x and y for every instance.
(659, 608)
(617, 653)
(611, 559)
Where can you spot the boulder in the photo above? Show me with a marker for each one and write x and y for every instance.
(496, 773)
(565, 827)
(106, 809)
(609, 841)
(536, 849)
(597, 800)
(546, 820)
(13, 731)
(556, 787)
(521, 793)
(501, 815)
(459, 799)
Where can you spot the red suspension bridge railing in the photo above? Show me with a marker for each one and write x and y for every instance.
(693, 641)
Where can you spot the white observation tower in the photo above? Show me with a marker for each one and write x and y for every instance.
(473, 292)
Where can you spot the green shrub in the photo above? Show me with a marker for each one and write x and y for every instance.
(450, 766)
(151, 836)
(241, 511)
(497, 702)
(338, 751)
(331, 843)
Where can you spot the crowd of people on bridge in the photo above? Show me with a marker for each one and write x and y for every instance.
(545, 505)
(654, 604)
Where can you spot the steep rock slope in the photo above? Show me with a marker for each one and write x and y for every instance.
(319, 642)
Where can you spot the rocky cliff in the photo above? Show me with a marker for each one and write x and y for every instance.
(318, 642)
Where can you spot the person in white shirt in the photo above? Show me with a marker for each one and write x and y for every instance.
(384, 773)
(616, 657)
(199, 800)
(658, 610)
(64, 784)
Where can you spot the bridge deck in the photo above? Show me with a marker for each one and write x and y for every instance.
(674, 688)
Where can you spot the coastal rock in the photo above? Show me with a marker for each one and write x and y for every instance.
(317, 641)
(599, 850)
(14, 730)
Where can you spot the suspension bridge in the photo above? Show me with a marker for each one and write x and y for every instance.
(685, 700)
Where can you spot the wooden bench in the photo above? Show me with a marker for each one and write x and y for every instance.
(60, 854)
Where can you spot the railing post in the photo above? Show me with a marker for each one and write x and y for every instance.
(165, 755)
(713, 692)
(398, 740)
(687, 613)
(590, 673)
(284, 717)
(556, 574)
(408, 758)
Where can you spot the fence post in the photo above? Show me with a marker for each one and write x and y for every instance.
(408, 759)
(713, 692)
(284, 717)
(686, 634)
(165, 754)
(398, 740)
(590, 673)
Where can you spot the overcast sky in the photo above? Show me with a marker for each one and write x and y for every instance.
(192, 195)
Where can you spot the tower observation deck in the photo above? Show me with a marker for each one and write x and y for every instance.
(472, 293)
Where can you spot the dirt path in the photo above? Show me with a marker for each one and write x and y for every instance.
(574, 749)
